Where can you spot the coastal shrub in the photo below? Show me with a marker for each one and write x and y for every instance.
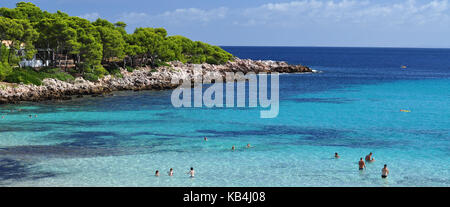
(161, 63)
(115, 72)
(8, 56)
(90, 77)
(118, 75)
(130, 69)
(212, 60)
(3, 53)
(5, 70)
(55, 73)
(72, 71)
(25, 76)
(30, 76)
(93, 72)
(100, 71)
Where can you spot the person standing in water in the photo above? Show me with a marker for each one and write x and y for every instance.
(171, 172)
(206, 139)
(233, 148)
(369, 157)
(336, 155)
(157, 173)
(361, 164)
(191, 172)
(384, 172)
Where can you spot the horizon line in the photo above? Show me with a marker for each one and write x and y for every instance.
(391, 47)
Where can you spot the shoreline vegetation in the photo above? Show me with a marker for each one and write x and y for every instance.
(46, 56)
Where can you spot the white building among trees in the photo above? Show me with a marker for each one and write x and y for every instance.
(35, 62)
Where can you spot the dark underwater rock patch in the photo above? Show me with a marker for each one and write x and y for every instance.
(13, 170)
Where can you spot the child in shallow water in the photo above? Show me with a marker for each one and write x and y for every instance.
(191, 172)
(384, 172)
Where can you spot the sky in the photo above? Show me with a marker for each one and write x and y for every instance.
(348, 23)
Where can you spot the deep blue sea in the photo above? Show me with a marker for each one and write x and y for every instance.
(352, 107)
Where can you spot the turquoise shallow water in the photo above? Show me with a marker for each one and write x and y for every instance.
(350, 108)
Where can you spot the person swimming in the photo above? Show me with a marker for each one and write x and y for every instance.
(369, 157)
(171, 172)
(157, 173)
(191, 172)
(249, 146)
(206, 139)
(336, 155)
(233, 148)
(361, 164)
(384, 171)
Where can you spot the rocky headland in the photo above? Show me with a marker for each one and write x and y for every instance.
(141, 79)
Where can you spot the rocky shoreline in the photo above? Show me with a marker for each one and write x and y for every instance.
(140, 79)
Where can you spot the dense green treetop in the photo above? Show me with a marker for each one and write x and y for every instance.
(91, 49)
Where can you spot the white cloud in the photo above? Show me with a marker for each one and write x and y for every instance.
(347, 12)
(194, 15)
(408, 12)
(297, 13)
(91, 16)
(177, 16)
(134, 17)
(309, 22)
